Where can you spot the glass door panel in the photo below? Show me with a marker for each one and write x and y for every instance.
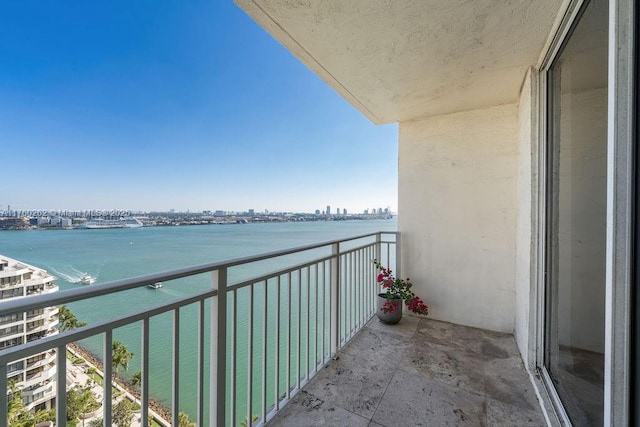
(576, 217)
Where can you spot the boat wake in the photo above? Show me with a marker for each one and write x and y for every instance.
(73, 275)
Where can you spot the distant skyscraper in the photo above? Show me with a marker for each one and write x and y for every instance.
(344, 212)
(328, 210)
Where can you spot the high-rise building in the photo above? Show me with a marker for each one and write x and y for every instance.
(328, 210)
(35, 375)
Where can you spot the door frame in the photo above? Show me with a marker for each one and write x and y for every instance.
(621, 219)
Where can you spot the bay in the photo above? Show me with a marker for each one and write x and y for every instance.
(113, 254)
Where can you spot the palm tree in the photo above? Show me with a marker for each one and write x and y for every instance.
(68, 320)
(81, 400)
(18, 415)
(184, 421)
(15, 404)
(120, 357)
(123, 413)
(136, 379)
(31, 419)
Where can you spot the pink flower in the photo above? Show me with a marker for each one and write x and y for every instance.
(389, 307)
(398, 288)
(418, 306)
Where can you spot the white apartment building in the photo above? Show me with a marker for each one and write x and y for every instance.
(35, 375)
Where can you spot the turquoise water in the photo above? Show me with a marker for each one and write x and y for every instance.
(119, 253)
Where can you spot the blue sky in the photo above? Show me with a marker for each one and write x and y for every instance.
(157, 105)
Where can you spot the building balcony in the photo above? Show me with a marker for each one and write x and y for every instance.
(34, 378)
(40, 394)
(35, 326)
(11, 284)
(11, 320)
(423, 372)
(44, 288)
(298, 345)
(13, 271)
(41, 360)
(36, 336)
(40, 279)
(11, 332)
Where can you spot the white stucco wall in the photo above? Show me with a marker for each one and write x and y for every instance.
(457, 204)
(526, 177)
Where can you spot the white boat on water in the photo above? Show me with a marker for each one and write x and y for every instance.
(100, 223)
(87, 279)
(156, 285)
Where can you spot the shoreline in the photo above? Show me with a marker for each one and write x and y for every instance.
(160, 413)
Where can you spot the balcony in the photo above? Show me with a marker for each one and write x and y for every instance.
(42, 359)
(271, 341)
(42, 288)
(424, 372)
(45, 373)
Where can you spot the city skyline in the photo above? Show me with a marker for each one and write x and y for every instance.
(158, 106)
(9, 210)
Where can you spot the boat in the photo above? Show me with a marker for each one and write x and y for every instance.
(100, 223)
(87, 279)
(156, 285)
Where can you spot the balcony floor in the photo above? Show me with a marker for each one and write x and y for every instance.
(420, 372)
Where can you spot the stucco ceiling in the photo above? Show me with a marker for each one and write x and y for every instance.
(397, 60)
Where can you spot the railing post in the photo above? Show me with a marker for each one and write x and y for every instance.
(218, 349)
(61, 385)
(175, 395)
(334, 270)
(398, 255)
(377, 251)
(107, 389)
(144, 385)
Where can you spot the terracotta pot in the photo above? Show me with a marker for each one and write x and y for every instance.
(392, 317)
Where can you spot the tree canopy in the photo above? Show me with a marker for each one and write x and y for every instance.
(185, 421)
(120, 357)
(68, 320)
(19, 416)
(81, 400)
(123, 413)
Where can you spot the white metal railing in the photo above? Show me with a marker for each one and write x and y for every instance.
(283, 326)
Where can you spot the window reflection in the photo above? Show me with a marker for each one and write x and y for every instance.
(576, 218)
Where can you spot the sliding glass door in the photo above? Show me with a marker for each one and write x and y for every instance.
(576, 200)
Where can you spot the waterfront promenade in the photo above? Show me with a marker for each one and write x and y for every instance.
(77, 375)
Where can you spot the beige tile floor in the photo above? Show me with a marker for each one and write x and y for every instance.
(420, 372)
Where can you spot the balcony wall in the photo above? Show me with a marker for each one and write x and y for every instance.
(526, 193)
(458, 210)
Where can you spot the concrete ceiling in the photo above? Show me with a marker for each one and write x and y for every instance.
(397, 60)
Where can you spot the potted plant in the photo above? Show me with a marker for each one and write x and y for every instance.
(396, 291)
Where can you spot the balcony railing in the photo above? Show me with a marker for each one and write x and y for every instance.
(304, 306)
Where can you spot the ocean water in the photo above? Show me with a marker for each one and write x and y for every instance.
(119, 253)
